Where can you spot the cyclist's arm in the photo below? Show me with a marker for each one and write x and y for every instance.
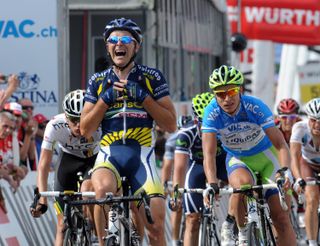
(91, 117)
(166, 169)
(43, 171)
(295, 151)
(179, 168)
(209, 147)
(280, 144)
(162, 111)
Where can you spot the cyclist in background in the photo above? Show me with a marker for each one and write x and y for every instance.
(246, 128)
(305, 153)
(126, 99)
(188, 168)
(166, 173)
(78, 154)
(288, 115)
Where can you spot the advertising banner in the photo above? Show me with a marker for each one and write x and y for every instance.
(282, 21)
(29, 48)
(309, 76)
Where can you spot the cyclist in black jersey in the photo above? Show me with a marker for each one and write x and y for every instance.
(126, 99)
(78, 154)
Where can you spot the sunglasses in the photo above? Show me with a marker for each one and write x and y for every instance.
(74, 120)
(27, 107)
(230, 93)
(5, 126)
(123, 39)
(288, 116)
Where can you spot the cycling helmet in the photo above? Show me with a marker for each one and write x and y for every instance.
(288, 106)
(73, 103)
(184, 121)
(225, 75)
(199, 102)
(123, 24)
(313, 108)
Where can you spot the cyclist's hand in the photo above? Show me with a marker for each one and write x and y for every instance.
(212, 189)
(40, 209)
(133, 91)
(111, 95)
(285, 173)
(175, 204)
(299, 185)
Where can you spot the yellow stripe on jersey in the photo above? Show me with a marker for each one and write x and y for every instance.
(99, 89)
(149, 85)
(142, 135)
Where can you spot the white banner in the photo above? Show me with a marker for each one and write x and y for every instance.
(29, 47)
(309, 77)
(17, 226)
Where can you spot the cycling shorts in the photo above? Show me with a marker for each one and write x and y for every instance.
(66, 174)
(135, 162)
(265, 162)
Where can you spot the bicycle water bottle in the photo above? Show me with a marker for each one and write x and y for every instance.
(252, 210)
(114, 223)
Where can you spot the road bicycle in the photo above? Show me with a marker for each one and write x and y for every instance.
(77, 230)
(208, 232)
(120, 228)
(259, 223)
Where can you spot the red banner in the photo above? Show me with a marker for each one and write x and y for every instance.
(283, 21)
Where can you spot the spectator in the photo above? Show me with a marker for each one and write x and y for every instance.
(42, 123)
(13, 83)
(27, 134)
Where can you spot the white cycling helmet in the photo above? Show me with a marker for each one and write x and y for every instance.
(73, 103)
(313, 108)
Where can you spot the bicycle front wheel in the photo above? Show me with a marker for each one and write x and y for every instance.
(208, 234)
(253, 234)
(69, 238)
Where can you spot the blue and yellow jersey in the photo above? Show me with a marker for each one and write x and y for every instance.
(128, 122)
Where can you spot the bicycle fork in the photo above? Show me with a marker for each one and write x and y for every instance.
(114, 224)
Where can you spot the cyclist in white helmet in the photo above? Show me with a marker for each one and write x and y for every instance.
(305, 154)
(78, 154)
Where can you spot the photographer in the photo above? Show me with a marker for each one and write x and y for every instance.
(13, 83)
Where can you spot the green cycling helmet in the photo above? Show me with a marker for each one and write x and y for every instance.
(199, 102)
(225, 75)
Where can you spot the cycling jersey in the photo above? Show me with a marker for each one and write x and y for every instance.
(189, 142)
(58, 131)
(128, 120)
(301, 133)
(128, 130)
(243, 133)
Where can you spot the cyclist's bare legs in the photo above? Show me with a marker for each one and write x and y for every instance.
(176, 217)
(88, 210)
(103, 180)
(312, 202)
(156, 231)
(238, 177)
(59, 233)
(191, 234)
(281, 222)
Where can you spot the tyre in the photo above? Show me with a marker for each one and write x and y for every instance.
(254, 234)
(208, 233)
(69, 238)
(111, 241)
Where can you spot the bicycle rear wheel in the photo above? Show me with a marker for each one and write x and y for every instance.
(208, 233)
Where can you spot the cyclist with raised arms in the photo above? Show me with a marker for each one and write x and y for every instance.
(305, 153)
(78, 154)
(188, 168)
(126, 99)
(246, 128)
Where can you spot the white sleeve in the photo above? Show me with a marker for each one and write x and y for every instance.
(49, 137)
(298, 132)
